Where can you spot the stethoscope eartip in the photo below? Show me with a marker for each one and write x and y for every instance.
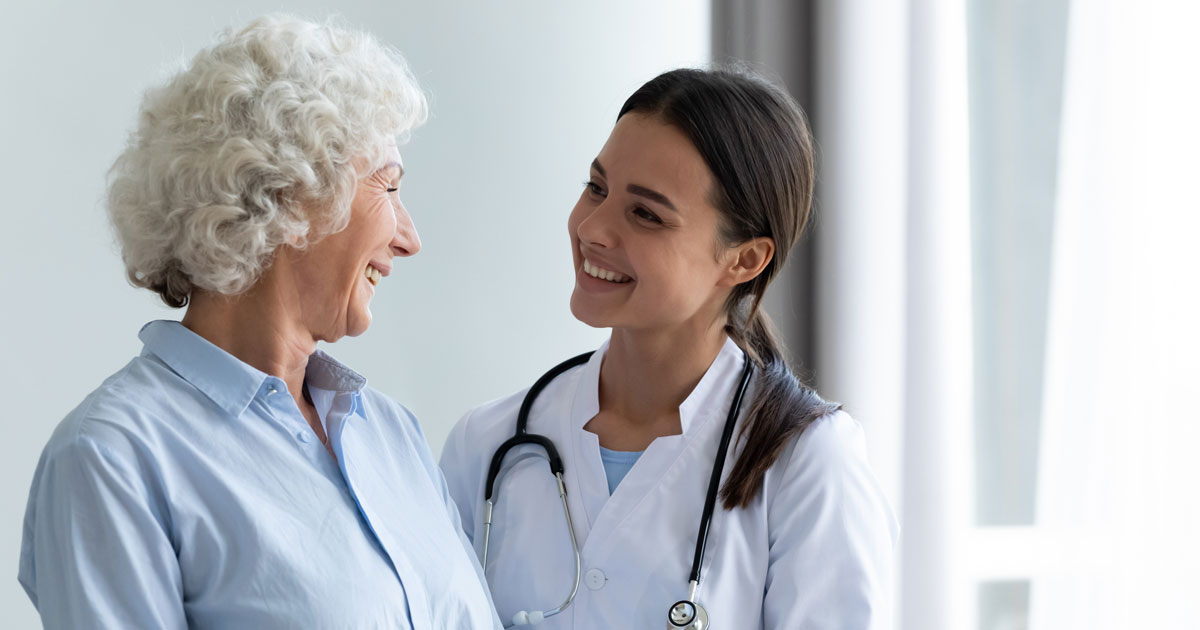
(528, 618)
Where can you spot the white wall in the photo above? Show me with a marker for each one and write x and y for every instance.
(523, 94)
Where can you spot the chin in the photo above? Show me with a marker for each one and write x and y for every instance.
(356, 330)
(588, 316)
(358, 322)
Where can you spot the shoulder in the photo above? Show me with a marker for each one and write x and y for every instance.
(479, 432)
(483, 428)
(110, 440)
(388, 411)
(491, 419)
(829, 449)
(398, 432)
(495, 420)
(825, 471)
(120, 417)
(833, 439)
(395, 424)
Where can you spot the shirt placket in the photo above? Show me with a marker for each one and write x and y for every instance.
(348, 445)
(282, 408)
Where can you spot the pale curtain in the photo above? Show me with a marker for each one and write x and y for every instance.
(893, 275)
(1119, 487)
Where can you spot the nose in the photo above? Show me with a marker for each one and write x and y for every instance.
(405, 242)
(594, 225)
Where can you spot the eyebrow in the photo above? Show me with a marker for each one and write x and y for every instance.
(652, 195)
(641, 191)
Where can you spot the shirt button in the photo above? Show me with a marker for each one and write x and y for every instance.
(304, 436)
(271, 390)
(594, 579)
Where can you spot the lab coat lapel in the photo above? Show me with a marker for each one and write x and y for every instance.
(660, 466)
(588, 482)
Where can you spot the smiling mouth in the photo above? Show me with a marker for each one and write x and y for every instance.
(604, 274)
(373, 275)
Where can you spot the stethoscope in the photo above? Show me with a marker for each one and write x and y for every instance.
(683, 614)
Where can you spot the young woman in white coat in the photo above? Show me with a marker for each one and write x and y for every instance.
(690, 210)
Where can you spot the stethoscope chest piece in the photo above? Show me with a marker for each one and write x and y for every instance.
(687, 615)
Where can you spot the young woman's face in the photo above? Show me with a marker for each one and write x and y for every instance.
(644, 233)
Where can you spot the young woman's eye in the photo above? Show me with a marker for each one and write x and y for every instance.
(593, 188)
(646, 215)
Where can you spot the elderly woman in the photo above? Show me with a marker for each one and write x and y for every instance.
(232, 475)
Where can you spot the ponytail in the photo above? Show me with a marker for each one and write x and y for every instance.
(783, 407)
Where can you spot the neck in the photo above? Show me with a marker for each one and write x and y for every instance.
(646, 375)
(261, 328)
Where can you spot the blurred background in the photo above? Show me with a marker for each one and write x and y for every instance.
(1001, 283)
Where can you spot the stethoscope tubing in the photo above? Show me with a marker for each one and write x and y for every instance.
(522, 436)
(714, 481)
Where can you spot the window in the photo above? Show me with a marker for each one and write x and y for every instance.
(1015, 81)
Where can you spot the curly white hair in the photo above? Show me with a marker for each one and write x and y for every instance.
(259, 142)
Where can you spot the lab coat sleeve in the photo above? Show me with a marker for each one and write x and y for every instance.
(462, 478)
(831, 535)
(96, 551)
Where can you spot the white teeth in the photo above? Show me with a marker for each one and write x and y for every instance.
(603, 274)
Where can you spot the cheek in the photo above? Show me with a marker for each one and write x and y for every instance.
(381, 216)
(673, 272)
(575, 218)
(377, 223)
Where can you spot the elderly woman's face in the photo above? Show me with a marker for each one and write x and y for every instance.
(339, 275)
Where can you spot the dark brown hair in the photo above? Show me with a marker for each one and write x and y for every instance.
(756, 141)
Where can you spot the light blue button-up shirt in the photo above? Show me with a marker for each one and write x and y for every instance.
(189, 491)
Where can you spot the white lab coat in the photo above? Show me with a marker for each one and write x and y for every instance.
(813, 551)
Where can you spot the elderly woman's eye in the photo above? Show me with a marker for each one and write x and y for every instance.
(393, 189)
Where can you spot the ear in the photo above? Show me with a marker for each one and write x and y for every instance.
(748, 260)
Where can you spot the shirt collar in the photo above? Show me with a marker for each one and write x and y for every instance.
(225, 379)
(326, 372)
(335, 393)
(711, 396)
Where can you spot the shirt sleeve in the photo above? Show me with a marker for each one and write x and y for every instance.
(831, 537)
(95, 551)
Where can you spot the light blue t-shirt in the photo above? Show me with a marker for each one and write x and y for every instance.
(616, 465)
(188, 491)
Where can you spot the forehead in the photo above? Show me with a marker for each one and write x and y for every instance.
(646, 151)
